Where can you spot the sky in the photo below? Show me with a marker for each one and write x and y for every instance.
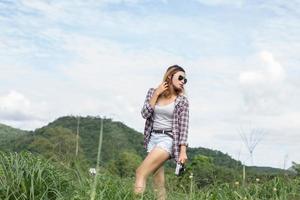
(99, 58)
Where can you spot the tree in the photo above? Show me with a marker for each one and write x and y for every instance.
(125, 164)
(56, 143)
(202, 168)
(296, 167)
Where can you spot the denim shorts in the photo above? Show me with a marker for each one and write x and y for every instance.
(162, 141)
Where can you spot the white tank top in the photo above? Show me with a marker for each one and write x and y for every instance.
(163, 116)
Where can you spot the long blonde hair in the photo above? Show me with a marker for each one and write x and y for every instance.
(169, 73)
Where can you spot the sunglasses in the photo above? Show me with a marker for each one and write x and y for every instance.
(180, 78)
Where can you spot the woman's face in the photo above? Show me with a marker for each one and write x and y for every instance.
(178, 80)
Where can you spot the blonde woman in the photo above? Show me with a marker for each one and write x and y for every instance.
(166, 111)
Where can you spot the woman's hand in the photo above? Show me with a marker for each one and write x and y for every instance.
(182, 157)
(161, 88)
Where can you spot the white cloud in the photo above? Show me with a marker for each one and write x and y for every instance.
(121, 1)
(14, 106)
(118, 78)
(274, 69)
(237, 3)
(280, 31)
(234, 92)
(264, 88)
(42, 6)
(270, 71)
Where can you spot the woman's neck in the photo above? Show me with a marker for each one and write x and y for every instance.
(173, 93)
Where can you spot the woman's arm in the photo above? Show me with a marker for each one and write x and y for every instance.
(184, 123)
(183, 131)
(147, 109)
(151, 99)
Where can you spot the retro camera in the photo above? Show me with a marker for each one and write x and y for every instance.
(179, 169)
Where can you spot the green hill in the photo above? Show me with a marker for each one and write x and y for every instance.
(8, 135)
(269, 170)
(57, 140)
(219, 158)
(117, 137)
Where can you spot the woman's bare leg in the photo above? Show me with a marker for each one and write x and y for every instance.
(151, 163)
(159, 183)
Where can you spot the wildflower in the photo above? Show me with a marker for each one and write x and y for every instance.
(191, 176)
(92, 171)
(274, 189)
(237, 183)
(257, 179)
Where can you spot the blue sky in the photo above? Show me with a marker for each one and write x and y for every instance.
(100, 57)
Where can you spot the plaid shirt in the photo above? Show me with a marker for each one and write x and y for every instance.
(180, 122)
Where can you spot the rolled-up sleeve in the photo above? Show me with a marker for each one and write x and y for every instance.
(147, 110)
(184, 123)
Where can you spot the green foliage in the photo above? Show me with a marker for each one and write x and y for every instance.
(296, 167)
(205, 172)
(23, 176)
(125, 165)
(202, 168)
(265, 171)
(8, 135)
(116, 137)
(111, 187)
(122, 151)
(56, 143)
(276, 188)
(218, 157)
(27, 176)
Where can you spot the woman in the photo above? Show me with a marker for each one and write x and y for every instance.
(166, 111)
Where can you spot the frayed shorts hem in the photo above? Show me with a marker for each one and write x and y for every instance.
(157, 146)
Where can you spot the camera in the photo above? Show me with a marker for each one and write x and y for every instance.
(179, 169)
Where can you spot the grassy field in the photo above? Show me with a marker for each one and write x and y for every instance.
(26, 176)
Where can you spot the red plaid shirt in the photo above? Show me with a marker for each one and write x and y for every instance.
(180, 122)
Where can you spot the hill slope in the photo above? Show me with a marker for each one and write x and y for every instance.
(9, 134)
(117, 139)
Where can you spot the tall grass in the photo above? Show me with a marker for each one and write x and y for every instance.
(93, 193)
(278, 188)
(26, 176)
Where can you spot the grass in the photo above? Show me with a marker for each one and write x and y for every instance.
(24, 176)
(27, 176)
